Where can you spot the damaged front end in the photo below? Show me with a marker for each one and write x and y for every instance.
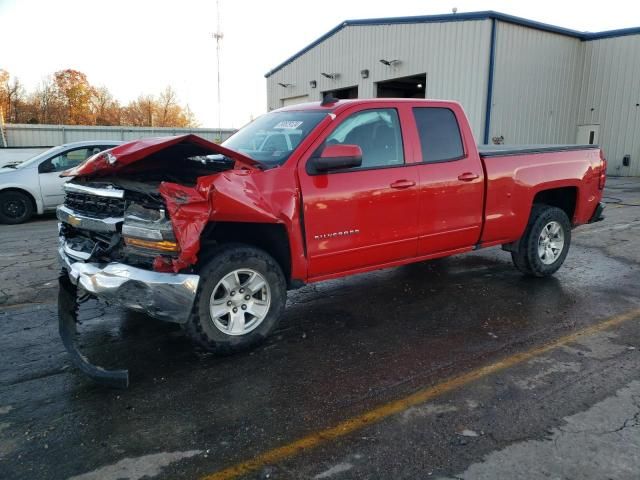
(110, 239)
(130, 230)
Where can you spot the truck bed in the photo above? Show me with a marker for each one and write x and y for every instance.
(516, 173)
(508, 150)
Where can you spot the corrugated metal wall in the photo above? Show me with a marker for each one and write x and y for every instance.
(545, 84)
(453, 55)
(610, 97)
(23, 135)
(536, 85)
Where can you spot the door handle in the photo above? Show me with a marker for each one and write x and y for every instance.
(468, 176)
(402, 184)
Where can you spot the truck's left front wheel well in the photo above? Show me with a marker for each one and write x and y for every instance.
(270, 237)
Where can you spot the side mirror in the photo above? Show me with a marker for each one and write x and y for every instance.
(46, 167)
(337, 157)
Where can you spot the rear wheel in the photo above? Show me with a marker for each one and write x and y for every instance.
(15, 207)
(240, 300)
(545, 244)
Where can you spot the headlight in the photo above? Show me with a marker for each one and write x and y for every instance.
(148, 229)
(141, 232)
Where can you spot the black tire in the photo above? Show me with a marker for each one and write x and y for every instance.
(527, 258)
(226, 259)
(15, 207)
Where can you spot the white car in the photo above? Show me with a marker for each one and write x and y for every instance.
(35, 186)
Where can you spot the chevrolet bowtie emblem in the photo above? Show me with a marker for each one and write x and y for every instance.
(73, 220)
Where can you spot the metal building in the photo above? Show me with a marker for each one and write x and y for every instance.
(520, 81)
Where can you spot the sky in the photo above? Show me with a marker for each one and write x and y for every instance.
(141, 46)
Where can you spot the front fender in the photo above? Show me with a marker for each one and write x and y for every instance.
(242, 196)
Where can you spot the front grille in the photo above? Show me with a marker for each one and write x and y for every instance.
(93, 205)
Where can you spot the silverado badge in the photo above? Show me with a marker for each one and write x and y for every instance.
(343, 233)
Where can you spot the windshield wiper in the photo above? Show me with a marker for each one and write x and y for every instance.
(224, 159)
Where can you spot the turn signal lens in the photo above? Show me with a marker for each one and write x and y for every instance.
(164, 245)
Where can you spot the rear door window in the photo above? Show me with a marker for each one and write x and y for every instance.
(439, 132)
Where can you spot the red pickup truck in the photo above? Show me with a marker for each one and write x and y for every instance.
(212, 236)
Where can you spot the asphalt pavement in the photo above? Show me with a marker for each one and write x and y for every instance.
(455, 368)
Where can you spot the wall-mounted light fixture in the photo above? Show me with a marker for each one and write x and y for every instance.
(313, 84)
(389, 63)
(364, 73)
(331, 76)
(285, 85)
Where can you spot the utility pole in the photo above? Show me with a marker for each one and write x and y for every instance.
(218, 38)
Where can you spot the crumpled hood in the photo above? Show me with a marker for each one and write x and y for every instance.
(112, 160)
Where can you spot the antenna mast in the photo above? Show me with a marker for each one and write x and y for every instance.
(218, 37)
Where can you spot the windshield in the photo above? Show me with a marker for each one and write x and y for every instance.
(40, 156)
(271, 138)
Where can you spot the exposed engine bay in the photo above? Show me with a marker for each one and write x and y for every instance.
(124, 215)
(96, 217)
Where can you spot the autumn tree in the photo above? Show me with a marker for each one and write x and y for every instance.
(4, 80)
(188, 118)
(170, 114)
(168, 107)
(12, 97)
(75, 92)
(106, 110)
(140, 112)
(47, 103)
(161, 111)
(68, 98)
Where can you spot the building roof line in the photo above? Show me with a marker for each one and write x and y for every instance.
(459, 17)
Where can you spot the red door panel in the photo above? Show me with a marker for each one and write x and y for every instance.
(363, 217)
(358, 219)
(451, 193)
(450, 209)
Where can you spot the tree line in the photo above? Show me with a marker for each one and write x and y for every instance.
(68, 98)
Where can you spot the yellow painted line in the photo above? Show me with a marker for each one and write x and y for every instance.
(421, 396)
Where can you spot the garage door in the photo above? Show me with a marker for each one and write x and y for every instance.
(293, 100)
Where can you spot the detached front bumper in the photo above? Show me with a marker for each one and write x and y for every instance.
(165, 296)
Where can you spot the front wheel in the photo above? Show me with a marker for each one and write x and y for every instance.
(15, 207)
(240, 300)
(545, 244)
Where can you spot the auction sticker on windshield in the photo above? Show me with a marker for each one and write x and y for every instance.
(288, 125)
